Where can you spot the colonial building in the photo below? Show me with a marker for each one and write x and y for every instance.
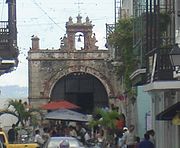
(78, 71)
(155, 26)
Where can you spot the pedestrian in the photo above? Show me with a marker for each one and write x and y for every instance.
(100, 135)
(120, 123)
(45, 134)
(81, 132)
(12, 134)
(151, 134)
(72, 131)
(129, 137)
(146, 143)
(87, 136)
(137, 141)
(119, 139)
(38, 139)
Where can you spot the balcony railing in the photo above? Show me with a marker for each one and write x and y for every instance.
(163, 69)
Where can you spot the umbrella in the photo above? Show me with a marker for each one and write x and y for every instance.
(65, 114)
(62, 104)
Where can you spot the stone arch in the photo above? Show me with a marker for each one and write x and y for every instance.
(80, 68)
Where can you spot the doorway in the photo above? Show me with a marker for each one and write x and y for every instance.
(82, 89)
(84, 100)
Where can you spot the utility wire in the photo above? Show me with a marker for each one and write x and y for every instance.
(47, 15)
(21, 23)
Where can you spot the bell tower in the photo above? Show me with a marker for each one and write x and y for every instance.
(84, 76)
(81, 30)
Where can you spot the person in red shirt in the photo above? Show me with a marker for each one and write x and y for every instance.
(120, 123)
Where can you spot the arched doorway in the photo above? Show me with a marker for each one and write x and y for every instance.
(82, 89)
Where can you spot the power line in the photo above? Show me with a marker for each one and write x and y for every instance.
(48, 24)
(35, 24)
(47, 15)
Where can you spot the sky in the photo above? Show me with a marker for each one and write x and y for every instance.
(46, 19)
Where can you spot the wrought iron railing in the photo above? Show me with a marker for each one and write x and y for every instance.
(163, 69)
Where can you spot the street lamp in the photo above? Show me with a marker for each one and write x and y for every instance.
(175, 58)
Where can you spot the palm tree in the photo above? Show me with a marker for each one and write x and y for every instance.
(107, 121)
(20, 110)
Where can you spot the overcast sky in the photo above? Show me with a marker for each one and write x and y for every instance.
(46, 19)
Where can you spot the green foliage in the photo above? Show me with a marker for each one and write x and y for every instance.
(19, 110)
(122, 40)
(107, 120)
(122, 37)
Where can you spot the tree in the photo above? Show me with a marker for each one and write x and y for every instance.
(20, 110)
(107, 121)
(122, 40)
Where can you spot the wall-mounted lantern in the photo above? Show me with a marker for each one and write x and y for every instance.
(175, 58)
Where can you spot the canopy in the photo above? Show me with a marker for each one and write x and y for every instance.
(62, 104)
(65, 114)
(169, 113)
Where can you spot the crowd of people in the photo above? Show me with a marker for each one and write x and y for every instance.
(122, 138)
(80, 131)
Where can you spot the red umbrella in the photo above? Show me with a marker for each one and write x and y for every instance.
(62, 104)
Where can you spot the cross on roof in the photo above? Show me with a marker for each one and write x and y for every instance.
(79, 3)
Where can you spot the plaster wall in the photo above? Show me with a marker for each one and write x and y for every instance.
(144, 107)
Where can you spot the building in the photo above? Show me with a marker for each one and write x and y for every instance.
(78, 71)
(155, 26)
(127, 8)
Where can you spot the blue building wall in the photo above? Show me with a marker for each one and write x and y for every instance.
(144, 106)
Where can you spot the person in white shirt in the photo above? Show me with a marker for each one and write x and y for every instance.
(38, 139)
(129, 137)
(87, 136)
(72, 131)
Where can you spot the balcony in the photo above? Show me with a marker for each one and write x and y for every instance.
(158, 68)
(8, 49)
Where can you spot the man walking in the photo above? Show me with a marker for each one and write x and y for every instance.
(146, 143)
(12, 134)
